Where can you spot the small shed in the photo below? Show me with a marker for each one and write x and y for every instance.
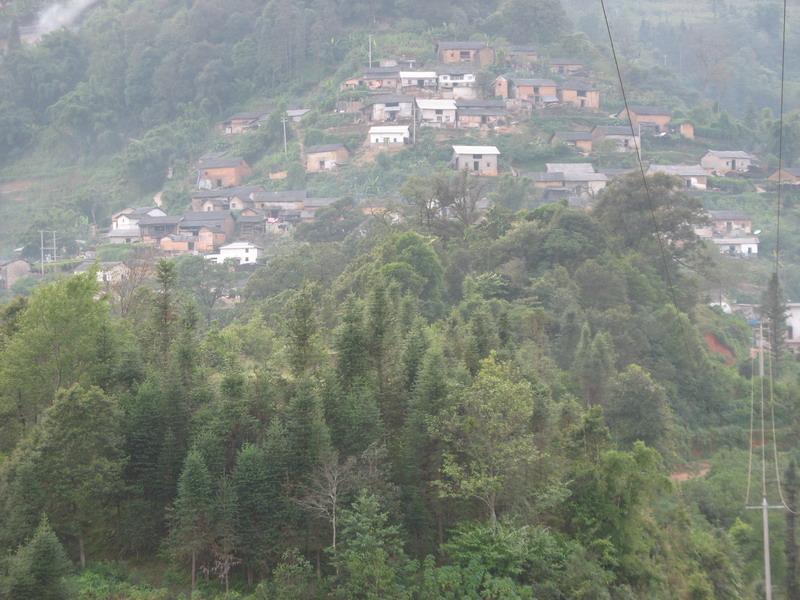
(479, 160)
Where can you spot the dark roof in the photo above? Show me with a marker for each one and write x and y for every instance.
(384, 98)
(489, 111)
(648, 110)
(613, 130)
(142, 211)
(311, 203)
(573, 136)
(204, 218)
(581, 86)
(167, 220)
(733, 215)
(381, 71)
(566, 61)
(220, 162)
(324, 148)
(489, 103)
(523, 49)
(529, 80)
(281, 196)
(460, 45)
(455, 69)
(252, 115)
(251, 219)
(231, 192)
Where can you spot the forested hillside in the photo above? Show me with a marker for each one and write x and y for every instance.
(429, 384)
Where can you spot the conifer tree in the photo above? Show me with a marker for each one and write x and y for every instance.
(774, 312)
(308, 435)
(352, 357)
(594, 364)
(302, 330)
(164, 315)
(192, 515)
(792, 486)
(225, 539)
(36, 571)
(257, 485)
(416, 345)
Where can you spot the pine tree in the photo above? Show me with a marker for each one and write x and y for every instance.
(352, 356)
(792, 486)
(594, 364)
(302, 331)
(308, 435)
(164, 315)
(225, 540)
(416, 345)
(774, 312)
(36, 571)
(192, 512)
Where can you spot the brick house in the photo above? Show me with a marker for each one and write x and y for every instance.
(217, 172)
(580, 94)
(580, 140)
(325, 157)
(648, 116)
(478, 53)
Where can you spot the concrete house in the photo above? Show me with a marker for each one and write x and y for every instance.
(436, 112)
(460, 52)
(390, 136)
(419, 80)
(648, 116)
(537, 91)
(580, 94)
(579, 181)
(217, 172)
(388, 108)
(726, 223)
(243, 122)
(295, 115)
(457, 81)
(721, 162)
(243, 253)
(209, 229)
(580, 140)
(153, 229)
(234, 198)
(566, 66)
(620, 135)
(381, 78)
(325, 157)
(522, 57)
(108, 273)
(480, 160)
(786, 175)
(13, 270)
(125, 224)
(744, 246)
(693, 176)
(274, 204)
(476, 117)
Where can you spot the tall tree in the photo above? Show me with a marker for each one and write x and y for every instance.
(36, 570)
(594, 365)
(792, 486)
(79, 462)
(774, 311)
(192, 512)
(302, 331)
(489, 462)
(164, 315)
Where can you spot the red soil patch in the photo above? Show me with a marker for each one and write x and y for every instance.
(690, 472)
(717, 347)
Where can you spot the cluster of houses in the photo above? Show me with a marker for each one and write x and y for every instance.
(732, 232)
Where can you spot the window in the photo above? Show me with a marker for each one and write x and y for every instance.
(476, 165)
(465, 55)
(790, 333)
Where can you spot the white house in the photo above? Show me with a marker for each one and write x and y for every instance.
(737, 246)
(125, 223)
(389, 107)
(245, 253)
(479, 160)
(419, 79)
(436, 112)
(107, 272)
(722, 162)
(389, 135)
(694, 176)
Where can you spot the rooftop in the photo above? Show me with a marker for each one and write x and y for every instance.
(417, 74)
(325, 148)
(739, 154)
(573, 136)
(436, 104)
(401, 129)
(569, 168)
(613, 130)
(649, 110)
(220, 162)
(679, 170)
(728, 215)
(281, 196)
(231, 192)
(460, 45)
(476, 150)
(387, 99)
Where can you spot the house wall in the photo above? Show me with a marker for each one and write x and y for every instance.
(245, 256)
(236, 126)
(726, 226)
(476, 121)
(387, 139)
(446, 119)
(661, 121)
(14, 271)
(739, 249)
(722, 165)
(584, 145)
(501, 87)
(487, 164)
(225, 177)
(169, 245)
(687, 131)
(380, 114)
(591, 99)
(464, 92)
(566, 69)
(454, 56)
(330, 159)
(485, 57)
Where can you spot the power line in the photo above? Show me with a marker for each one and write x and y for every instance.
(650, 205)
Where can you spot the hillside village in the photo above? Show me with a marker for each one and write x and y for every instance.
(468, 103)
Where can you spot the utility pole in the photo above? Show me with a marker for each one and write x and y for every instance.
(285, 148)
(414, 122)
(42, 247)
(369, 41)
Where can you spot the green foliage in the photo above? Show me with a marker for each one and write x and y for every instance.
(37, 570)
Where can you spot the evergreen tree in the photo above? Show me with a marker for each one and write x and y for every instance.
(192, 529)
(307, 432)
(369, 560)
(225, 540)
(415, 347)
(36, 571)
(351, 344)
(774, 313)
(594, 364)
(302, 331)
(164, 314)
(792, 487)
